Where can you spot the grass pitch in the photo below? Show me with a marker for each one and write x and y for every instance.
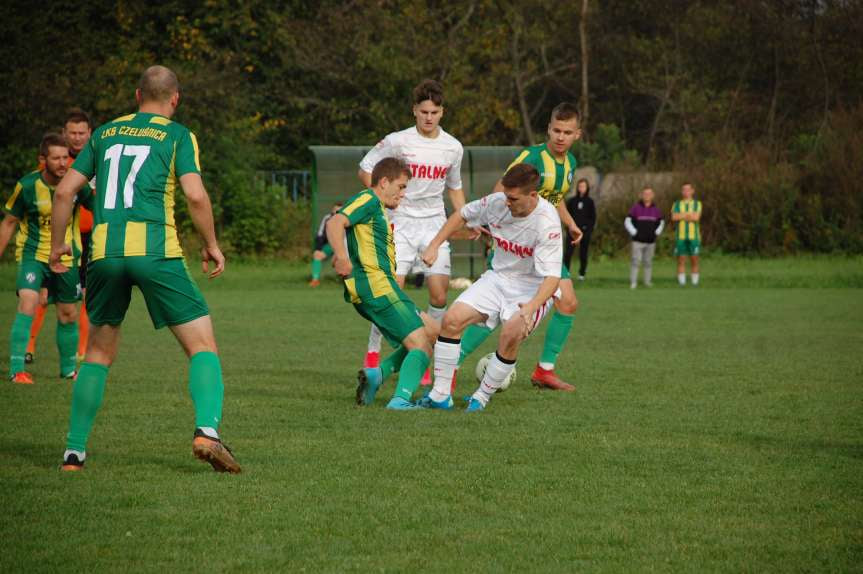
(717, 428)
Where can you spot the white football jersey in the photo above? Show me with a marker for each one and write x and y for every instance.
(435, 165)
(526, 249)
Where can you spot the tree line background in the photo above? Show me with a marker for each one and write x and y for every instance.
(758, 102)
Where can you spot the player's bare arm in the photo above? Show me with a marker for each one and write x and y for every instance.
(201, 211)
(61, 213)
(456, 197)
(7, 230)
(336, 237)
(569, 222)
(365, 177)
(453, 224)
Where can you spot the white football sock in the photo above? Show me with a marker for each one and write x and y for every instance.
(374, 340)
(681, 278)
(695, 278)
(445, 365)
(547, 366)
(210, 432)
(436, 313)
(81, 455)
(495, 374)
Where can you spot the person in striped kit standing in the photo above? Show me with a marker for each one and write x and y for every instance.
(686, 213)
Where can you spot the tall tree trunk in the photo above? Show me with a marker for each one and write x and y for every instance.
(520, 89)
(585, 93)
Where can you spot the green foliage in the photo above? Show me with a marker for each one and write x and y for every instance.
(606, 151)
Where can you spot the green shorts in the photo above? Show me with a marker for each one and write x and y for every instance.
(396, 316)
(327, 250)
(62, 287)
(171, 296)
(564, 272)
(687, 247)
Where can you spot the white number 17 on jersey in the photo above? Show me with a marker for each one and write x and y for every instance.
(113, 155)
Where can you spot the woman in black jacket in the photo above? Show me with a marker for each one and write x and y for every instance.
(583, 211)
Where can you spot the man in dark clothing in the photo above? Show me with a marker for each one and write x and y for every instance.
(644, 224)
(583, 211)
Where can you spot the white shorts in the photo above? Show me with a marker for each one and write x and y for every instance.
(412, 236)
(497, 298)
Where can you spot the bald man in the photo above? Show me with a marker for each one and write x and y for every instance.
(138, 161)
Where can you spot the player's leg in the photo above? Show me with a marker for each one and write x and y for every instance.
(174, 300)
(109, 295)
(681, 249)
(447, 350)
(649, 249)
(65, 291)
(555, 337)
(28, 301)
(512, 334)
(634, 263)
(36, 327)
(30, 278)
(318, 258)
(694, 261)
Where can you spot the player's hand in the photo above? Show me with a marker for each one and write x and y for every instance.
(475, 233)
(342, 266)
(526, 312)
(575, 233)
(56, 255)
(430, 255)
(213, 254)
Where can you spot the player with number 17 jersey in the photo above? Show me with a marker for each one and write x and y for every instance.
(133, 213)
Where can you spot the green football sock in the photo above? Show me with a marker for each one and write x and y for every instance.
(555, 337)
(394, 362)
(206, 388)
(67, 346)
(18, 342)
(87, 393)
(415, 364)
(473, 337)
(316, 269)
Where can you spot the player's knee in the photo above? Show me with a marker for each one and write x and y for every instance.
(67, 314)
(511, 335)
(451, 325)
(567, 305)
(319, 255)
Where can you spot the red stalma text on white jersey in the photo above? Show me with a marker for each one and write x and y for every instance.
(514, 248)
(423, 171)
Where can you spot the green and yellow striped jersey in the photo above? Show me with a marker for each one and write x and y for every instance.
(555, 176)
(30, 203)
(687, 229)
(371, 249)
(137, 160)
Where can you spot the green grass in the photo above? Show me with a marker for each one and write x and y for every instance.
(714, 429)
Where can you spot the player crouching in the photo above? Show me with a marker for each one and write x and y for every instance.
(367, 263)
(518, 291)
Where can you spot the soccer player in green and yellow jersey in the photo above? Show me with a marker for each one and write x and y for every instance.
(368, 266)
(556, 166)
(139, 160)
(28, 210)
(687, 213)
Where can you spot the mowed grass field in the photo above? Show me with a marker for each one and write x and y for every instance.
(717, 428)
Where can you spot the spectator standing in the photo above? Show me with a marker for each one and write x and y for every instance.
(583, 211)
(644, 224)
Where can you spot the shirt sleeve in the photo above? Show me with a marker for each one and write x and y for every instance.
(14, 206)
(384, 148)
(85, 163)
(548, 253)
(188, 158)
(476, 212)
(697, 207)
(675, 207)
(453, 176)
(360, 208)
